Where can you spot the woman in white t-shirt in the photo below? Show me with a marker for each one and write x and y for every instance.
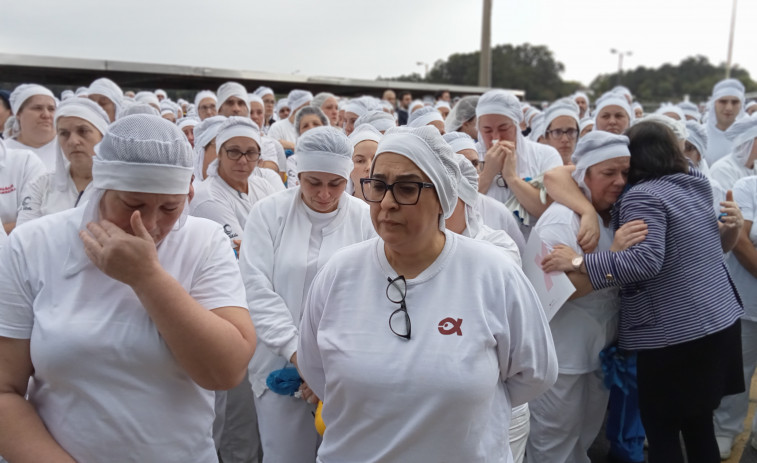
(80, 124)
(31, 127)
(421, 341)
(287, 238)
(19, 169)
(126, 316)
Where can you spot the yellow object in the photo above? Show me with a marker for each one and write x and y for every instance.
(320, 426)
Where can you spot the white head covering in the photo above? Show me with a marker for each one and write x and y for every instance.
(362, 105)
(636, 105)
(82, 91)
(426, 148)
(204, 133)
(530, 113)
(583, 95)
(462, 112)
(145, 154)
(110, 90)
(750, 104)
(252, 98)
(324, 149)
(742, 134)
(500, 102)
(263, 91)
(229, 89)
(299, 98)
(697, 136)
(596, 147)
(380, 120)
(147, 98)
(321, 98)
(467, 188)
(561, 107)
(459, 141)
(728, 87)
(19, 95)
(169, 107)
(129, 108)
(364, 132)
(624, 91)
(161, 92)
(415, 104)
(442, 104)
(585, 122)
(613, 99)
(282, 103)
(677, 127)
(188, 121)
(237, 126)
(671, 108)
(66, 94)
(538, 126)
(424, 116)
(202, 95)
(690, 109)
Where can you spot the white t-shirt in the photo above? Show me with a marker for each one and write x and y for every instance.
(727, 171)
(283, 130)
(718, 146)
(46, 153)
(293, 180)
(497, 216)
(3, 236)
(480, 344)
(273, 151)
(745, 195)
(584, 326)
(19, 169)
(43, 198)
(105, 384)
(274, 263)
(218, 201)
(271, 177)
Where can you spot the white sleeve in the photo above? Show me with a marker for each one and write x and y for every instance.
(292, 180)
(745, 194)
(309, 359)
(549, 159)
(276, 132)
(16, 295)
(33, 195)
(221, 214)
(528, 363)
(3, 238)
(217, 282)
(273, 320)
(559, 233)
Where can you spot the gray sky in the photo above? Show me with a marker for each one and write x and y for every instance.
(365, 39)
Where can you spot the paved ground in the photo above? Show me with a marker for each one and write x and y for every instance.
(742, 451)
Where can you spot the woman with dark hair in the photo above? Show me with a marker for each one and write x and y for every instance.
(686, 335)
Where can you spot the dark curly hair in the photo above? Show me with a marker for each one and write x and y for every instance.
(654, 152)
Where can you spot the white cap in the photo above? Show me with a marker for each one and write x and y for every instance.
(324, 149)
(614, 99)
(596, 147)
(237, 126)
(364, 132)
(697, 136)
(500, 102)
(380, 120)
(202, 95)
(230, 89)
(424, 116)
(109, 89)
(25, 91)
(299, 98)
(459, 141)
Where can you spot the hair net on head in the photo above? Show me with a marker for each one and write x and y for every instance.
(66, 94)
(690, 109)
(467, 188)
(728, 87)
(324, 149)
(562, 107)
(299, 98)
(596, 147)
(442, 104)
(147, 98)
(613, 99)
(252, 98)
(387, 107)
(82, 91)
(636, 105)
(414, 106)
(462, 112)
(742, 134)
(750, 104)
(202, 95)
(169, 107)
(621, 90)
(424, 116)
(500, 102)
(109, 89)
(583, 95)
(697, 136)
(426, 148)
(230, 89)
(129, 108)
(364, 132)
(538, 126)
(17, 99)
(312, 111)
(380, 120)
(188, 121)
(362, 105)
(459, 141)
(263, 91)
(237, 126)
(321, 98)
(161, 92)
(144, 154)
(587, 121)
(530, 113)
(282, 103)
(205, 132)
(670, 108)
(677, 127)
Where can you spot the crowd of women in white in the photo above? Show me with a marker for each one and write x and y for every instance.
(382, 262)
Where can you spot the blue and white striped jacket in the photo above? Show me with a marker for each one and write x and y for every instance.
(675, 286)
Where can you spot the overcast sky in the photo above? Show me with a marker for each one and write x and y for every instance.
(365, 39)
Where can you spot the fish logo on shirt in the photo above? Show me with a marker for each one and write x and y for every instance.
(26, 203)
(450, 326)
(229, 232)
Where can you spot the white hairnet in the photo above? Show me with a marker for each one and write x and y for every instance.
(364, 132)
(742, 134)
(690, 109)
(321, 98)
(442, 104)
(202, 95)
(561, 107)
(593, 148)
(299, 98)
(750, 104)
(309, 110)
(204, 132)
(636, 105)
(169, 107)
(263, 91)
(621, 90)
(147, 98)
(671, 108)
(130, 108)
(282, 103)
(728, 87)
(380, 120)
(109, 89)
(230, 89)
(17, 98)
(237, 126)
(677, 127)
(362, 105)
(145, 154)
(613, 99)
(697, 136)
(585, 122)
(500, 102)
(187, 121)
(468, 186)
(414, 106)
(459, 141)
(426, 148)
(252, 98)
(66, 94)
(583, 95)
(538, 126)
(82, 91)
(462, 112)
(424, 116)
(324, 149)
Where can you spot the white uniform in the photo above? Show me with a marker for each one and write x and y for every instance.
(44, 197)
(46, 153)
(566, 420)
(272, 177)
(728, 170)
(497, 216)
(272, 150)
(284, 244)
(718, 146)
(292, 180)
(105, 384)
(3, 239)
(218, 201)
(480, 344)
(18, 170)
(283, 130)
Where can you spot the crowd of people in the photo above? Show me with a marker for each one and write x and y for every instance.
(206, 280)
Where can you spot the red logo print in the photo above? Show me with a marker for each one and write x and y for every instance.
(451, 326)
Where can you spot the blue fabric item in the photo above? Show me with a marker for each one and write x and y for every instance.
(624, 429)
(284, 382)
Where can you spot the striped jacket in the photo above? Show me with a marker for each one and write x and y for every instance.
(675, 286)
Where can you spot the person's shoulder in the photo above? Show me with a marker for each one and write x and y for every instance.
(352, 257)
(50, 229)
(208, 191)
(555, 214)
(476, 255)
(746, 183)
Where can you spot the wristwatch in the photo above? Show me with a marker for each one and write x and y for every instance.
(577, 261)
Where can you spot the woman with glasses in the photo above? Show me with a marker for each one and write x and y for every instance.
(229, 192)
(288, 238)
(421, 341)
(561, 133)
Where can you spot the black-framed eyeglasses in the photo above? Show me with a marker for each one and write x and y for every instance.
(557, 133)
(235, 154)
(399, 320)
(404, 193)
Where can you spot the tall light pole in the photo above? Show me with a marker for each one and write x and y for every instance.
(425, 65)
(620, 54)
(485, 63)
(730, 41)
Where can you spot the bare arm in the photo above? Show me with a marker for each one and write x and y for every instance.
(562, 188)
(730, 224)
(23, 436)
(581, 282)
(745, 251)
(9, 227)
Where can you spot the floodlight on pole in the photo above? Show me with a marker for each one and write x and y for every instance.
(620, 54)
(425, 65)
